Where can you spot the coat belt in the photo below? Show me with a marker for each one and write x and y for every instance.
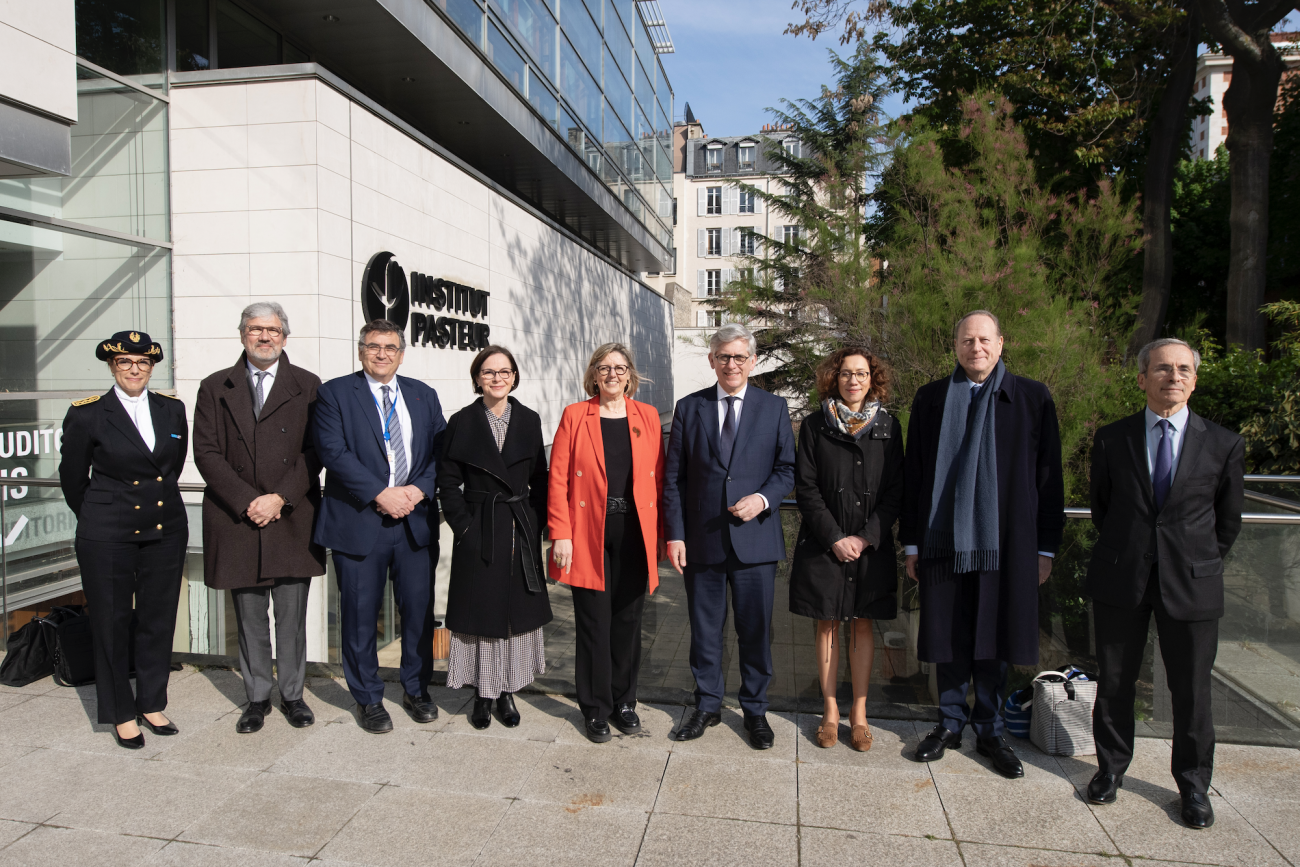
(488, 535)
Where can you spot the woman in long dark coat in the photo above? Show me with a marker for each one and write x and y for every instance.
(848, 478)
(492, 486)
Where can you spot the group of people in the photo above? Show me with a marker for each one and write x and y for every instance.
(977, 494)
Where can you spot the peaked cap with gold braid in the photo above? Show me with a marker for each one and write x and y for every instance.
(129, 343)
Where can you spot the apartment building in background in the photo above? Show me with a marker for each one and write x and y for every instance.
(1213, 77)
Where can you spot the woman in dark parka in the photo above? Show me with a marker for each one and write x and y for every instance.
(848, 479)
(492, 486)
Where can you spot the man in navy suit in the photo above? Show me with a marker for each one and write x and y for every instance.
(730, 463)
(378, 435)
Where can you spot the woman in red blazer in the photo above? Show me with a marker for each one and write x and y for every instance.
(606, 536)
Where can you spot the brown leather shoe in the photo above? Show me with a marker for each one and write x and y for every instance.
(828, 735)
(860, 738)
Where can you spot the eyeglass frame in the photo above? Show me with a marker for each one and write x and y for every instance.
(375, 349)
(493, 375)
(142, 363)
(854, 375)
(616, 369)
(271, 330)
(739, 360)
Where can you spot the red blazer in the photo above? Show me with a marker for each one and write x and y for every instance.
(578, 489)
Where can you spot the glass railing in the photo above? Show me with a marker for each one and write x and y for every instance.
(1257, 673)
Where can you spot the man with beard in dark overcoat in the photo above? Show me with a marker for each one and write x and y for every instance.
(983, 515)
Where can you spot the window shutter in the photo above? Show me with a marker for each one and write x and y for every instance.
(702, 202)
(701, 242)
(701, 284)
(728, 248)
(700, 318)
(758, 205)
(730, 200)
(728, 277)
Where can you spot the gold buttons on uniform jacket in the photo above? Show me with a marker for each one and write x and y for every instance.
(159, 479)
(160, 526)
(135, 483)
(160, 502)
(137, 508)
(137, 532)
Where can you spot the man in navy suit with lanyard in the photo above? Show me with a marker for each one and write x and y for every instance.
(378, 435)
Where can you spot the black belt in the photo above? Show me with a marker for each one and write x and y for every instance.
(617, 506)
(489, 500)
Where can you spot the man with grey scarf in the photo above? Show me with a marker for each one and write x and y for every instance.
(983, 514)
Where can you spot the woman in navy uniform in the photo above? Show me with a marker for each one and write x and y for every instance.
(131, 531)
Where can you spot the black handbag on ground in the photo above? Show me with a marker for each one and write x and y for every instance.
(58, 644)
(28, 655)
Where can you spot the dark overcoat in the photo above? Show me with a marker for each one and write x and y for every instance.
(119, 489)
(1031, 518)
(242, 457)
(488, 594)
(847, 487)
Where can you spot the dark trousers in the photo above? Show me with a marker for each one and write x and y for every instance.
(988, 676)
(1188, 649)
(752, 589)
(252, 614)
(132, 589)
(361, 592)
(609, 622)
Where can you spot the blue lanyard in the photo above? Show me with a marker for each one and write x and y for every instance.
(392, 414)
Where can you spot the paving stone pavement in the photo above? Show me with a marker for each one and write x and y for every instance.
(541, 793)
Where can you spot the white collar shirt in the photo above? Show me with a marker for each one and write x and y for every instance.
(403, 416)
(138, 409)
(1177, 427)
(267, 381)
(722, 405)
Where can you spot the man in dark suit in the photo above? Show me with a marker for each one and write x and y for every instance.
(379, 435)
(1167, 493)
(983, 514)
(730, 463)
(252, 444)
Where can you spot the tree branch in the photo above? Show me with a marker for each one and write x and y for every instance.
(1266, 14)
(1218, 20)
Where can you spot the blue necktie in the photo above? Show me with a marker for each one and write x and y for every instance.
(395, 440)
(728, 440)
(1162, 476)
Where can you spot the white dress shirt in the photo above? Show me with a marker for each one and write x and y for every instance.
(403, 418)
(267, 381)
(1177, 425)
(138, 409)
(912, 550)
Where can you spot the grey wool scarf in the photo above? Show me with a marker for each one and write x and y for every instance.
(964, 510)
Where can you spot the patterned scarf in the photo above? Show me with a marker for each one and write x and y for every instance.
(845, 420)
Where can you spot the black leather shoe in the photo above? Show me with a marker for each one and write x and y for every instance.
(297, 713)
(1004, 759)
(695, 726)
(253, 716)
(507, 711)
(1104, 788)
(761, 736)
(374, 718)
(624, 719)
(419, 707)
(1197, 812)
(936, 743)
(598, 731)
(481, 716)
(162, 730)
(134, 743)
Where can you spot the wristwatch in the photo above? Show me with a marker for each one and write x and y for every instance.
(287, 504)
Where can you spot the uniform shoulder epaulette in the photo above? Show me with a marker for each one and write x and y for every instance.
(172, 396)
(86, 400)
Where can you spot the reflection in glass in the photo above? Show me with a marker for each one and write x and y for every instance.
(617, 41)
(466, 15)
(618, 93)
(193, 46)
(533, 24)
(242, 40)
(583, 33)
(505, 58)
(123, 36)
(644, 91)
(542, 99)
(579, 88)
(572, 132)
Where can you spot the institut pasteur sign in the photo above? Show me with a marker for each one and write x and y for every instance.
(387, 294)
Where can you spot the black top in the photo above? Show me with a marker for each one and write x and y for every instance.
(618, 456)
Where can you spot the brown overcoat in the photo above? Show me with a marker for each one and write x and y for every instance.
(241, 458)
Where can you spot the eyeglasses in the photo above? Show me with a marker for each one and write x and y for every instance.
(378, 349)
(259, 330)
(504, 373)
(616, 369)
(859, 375)
(725, 360)
(127, 363)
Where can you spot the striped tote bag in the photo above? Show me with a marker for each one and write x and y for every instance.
(1062, 718)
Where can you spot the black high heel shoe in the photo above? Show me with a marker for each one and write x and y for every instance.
(134, 743)
(169, 729)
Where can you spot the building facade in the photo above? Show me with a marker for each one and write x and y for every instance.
(499, 170)
(1213, 77)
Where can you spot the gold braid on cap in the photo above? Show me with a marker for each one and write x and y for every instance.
(108, 347)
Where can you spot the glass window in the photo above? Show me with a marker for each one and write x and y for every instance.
(713, 200)
(617, 92)
(466, 15)
(663, 125)
(541, 98)
(663, 164)
(505, 58)
(713, 159)
(617, 41)
(572, 131)
(583, 33)
(242, 40)
(634, 203)
(714, 238)
(791, 147)
(535, 27)
(625, 12)
(579, 88)
(747, 241)
(746, 202)
(645, 51)
(747, 156)
(713, 286)
(193, 43)
(123, 36)
(644, 90)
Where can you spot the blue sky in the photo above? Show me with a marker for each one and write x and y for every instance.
(732, 62)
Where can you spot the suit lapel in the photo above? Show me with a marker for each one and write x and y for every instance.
(284, 387)
(239, 402)
(415, 409)
(121, 419)
(1137, 443)
(748, 419)
(709, 418)
(492, 460)
(1188, 453)
(366, 400)
(161, 430)
(591, 422)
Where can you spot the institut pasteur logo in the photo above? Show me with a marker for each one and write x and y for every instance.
(386, 294)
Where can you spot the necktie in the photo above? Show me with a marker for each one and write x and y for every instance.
(259, 395)
(395, 440)
(1162, 476)
(975, 392)
(728, 440)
